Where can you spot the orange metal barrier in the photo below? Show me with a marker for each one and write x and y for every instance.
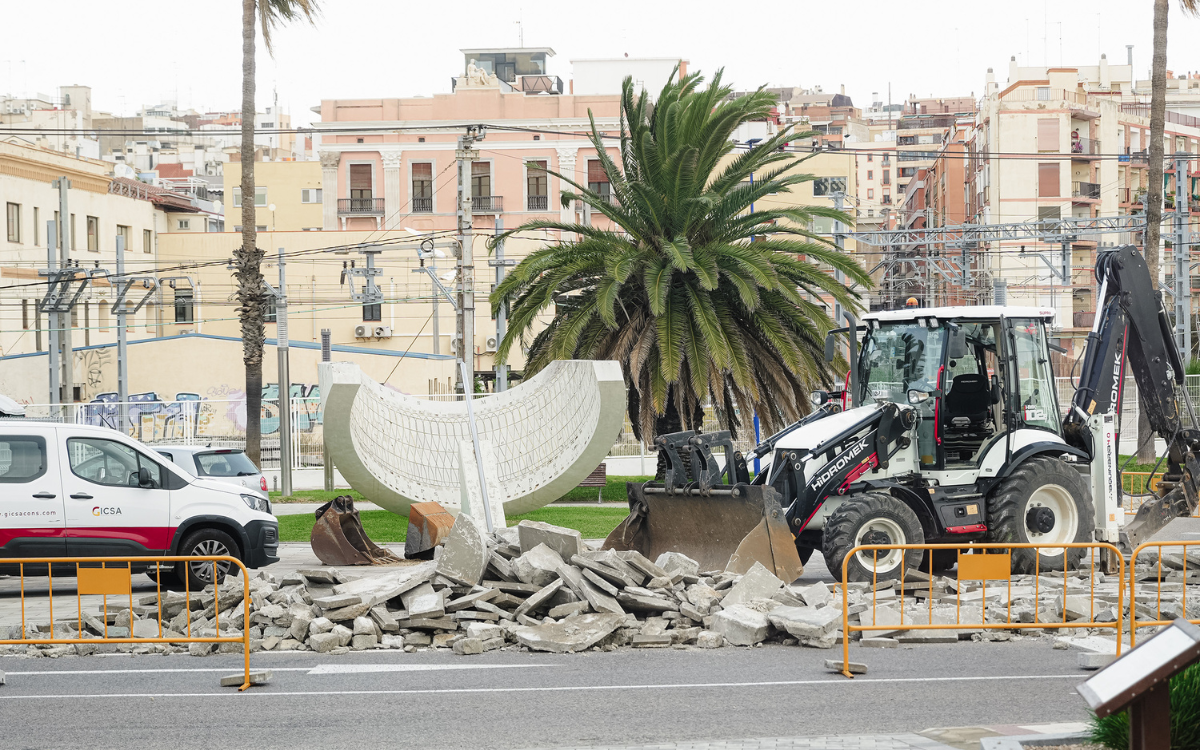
(109, 581)
(1134, 622)
(983, 563)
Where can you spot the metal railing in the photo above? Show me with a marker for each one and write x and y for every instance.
(537, 203)
(983, 563)
(1085, 147)
(1087, 190)
(1181, 559)
(422, 205)
(93, 577)
(360, 205)
(487, 204)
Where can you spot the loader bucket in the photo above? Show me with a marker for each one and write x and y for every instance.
(726, 528)
(428, 526)
(338, 537)
(1152, 516)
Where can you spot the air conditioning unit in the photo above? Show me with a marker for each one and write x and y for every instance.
(454, 346)
(491, 344)
(383, 332)
(362, 332)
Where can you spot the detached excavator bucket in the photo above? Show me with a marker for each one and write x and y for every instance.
(338, 537)
(726, 528)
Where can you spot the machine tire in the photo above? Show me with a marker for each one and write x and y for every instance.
(943, 560)
(205, 542)
(856, 520)
(1042, 481)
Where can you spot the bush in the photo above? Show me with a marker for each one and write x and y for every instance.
(1113, 731)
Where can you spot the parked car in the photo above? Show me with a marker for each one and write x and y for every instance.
(222, 464)
(81, 491)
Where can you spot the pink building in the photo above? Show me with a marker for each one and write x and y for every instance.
(400, 170)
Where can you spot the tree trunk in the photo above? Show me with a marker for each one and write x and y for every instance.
(1158, 111)
(248, 258)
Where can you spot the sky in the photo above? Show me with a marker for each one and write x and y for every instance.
(142, 52)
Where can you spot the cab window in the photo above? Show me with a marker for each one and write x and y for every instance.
(1035, 378)
(22, 458)
(110, 463)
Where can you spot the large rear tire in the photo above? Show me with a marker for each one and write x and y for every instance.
(872, 518)
(1044, 501)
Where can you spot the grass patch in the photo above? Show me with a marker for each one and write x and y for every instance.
(613, 492)
(384, 526)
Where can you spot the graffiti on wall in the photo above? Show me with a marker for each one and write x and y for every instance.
(305, 398)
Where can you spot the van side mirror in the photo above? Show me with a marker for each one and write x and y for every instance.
(143, 475)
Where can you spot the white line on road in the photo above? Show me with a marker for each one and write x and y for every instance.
(319, 669)
(565, 688)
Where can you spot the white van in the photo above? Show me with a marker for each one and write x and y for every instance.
(71, 490)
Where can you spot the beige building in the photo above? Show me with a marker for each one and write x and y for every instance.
(293, 188)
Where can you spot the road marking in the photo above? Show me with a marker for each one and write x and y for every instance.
(147, 671)
(565, 688)
(364, 668)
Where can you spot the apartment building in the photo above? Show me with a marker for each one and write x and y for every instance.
(288, 196)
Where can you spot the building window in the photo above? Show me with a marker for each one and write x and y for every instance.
(310, 195)
(270, 314)
(372, 313)
(887, 198)
(887, 159)
(830, 185)
(537, 187)
(870, 157)
(126, 235)
(147, 241)
(422, 187)
(1043, 93)
(361, 187)
(481, 180)
(185, 224)
(260, 197)
(184, 312)
(14, 222)
(25, 314)
(598, 180)
(74, 244)
(870, 193)
(887, 177)
(1048, 181)
(93, 236)
(1047, 134)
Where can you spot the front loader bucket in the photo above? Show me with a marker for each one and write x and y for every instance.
(727, 528)
(338, 537)
(1153, 515)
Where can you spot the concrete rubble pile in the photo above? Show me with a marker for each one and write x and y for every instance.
(534, 586)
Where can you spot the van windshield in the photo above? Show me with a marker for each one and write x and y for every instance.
(224, 464)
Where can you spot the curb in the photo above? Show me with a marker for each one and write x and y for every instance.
(1018, 742)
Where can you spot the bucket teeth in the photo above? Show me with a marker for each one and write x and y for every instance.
(338, 537)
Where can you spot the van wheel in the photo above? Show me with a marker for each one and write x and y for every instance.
(205, 543)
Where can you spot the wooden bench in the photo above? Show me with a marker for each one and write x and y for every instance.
(598, 478)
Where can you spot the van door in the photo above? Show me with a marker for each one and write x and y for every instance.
(113, 507)
(32, 519)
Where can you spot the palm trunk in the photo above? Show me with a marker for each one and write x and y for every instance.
(1158, 112)
(248, 259)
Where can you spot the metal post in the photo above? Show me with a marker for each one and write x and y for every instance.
(437, 328)
(839, 239)
(326, 356)
(53, 324)
(500, 263)
(67, 358)
(1183, 258)
(122, 350)
(465, 328)
(285, 380)
(487, 506)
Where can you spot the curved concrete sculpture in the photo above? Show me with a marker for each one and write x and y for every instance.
(539, 439)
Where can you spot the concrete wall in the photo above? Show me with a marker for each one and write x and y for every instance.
(284, 181)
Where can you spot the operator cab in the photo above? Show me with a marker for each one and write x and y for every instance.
(948, 363)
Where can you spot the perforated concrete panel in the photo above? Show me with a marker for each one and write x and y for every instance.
(544, 436)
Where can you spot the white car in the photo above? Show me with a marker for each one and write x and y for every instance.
(82, 491)
(222, 464)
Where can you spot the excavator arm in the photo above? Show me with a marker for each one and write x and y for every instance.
(1132, 330)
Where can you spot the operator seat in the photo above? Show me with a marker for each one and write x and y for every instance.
(968, 402)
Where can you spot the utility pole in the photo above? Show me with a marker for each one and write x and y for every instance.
(67, 357)
(327, 356)
(466, 155)
(839, 239)
(500, 263)
(122, 344)
(1182, 253)
(53, 321)
(285, 380)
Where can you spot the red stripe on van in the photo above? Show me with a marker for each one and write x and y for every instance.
(7, 535)
(150, 537)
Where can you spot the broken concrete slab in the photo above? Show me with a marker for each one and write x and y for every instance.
(741, 625)
(757, 583)
(538, 566)
(337, 601)
(806, 622)
(651, 641)
(464, 557)
(816, 595)
(613, 575)
(469, 600)
(468, 646)
(387, 583)
(677, 562)
(640, 602)
(237, 680)
(641, 562)
(322, 643)
(837, 666)
(423, 601)
(1095, 660)
(575, 633)
(879, 643)
(566, 542)
(710, 639)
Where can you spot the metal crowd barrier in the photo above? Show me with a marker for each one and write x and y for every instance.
(983, 563)
(1134, 621)
(94, 577)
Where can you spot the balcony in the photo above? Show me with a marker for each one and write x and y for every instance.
(537, 203)
(422, 205)
(487, 204)
(360, 206)
(1084, 148)
(538, 84)
(1085, 191)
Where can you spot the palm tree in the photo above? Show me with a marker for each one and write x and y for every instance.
(697, 297)
(251, 291)
(1158, 116)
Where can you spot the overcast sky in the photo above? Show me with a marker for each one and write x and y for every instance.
(139, 52)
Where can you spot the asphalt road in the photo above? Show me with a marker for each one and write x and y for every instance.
(529, 700)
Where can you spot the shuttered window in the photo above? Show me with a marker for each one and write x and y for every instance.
(596, 171)
(360, 180)
(1048, 182)
(422, 180)
(1047, 134)
(481, 179)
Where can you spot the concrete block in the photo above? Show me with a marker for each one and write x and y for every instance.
(343, 633)
(541, 597)
(641, 562)
(928, 636)
(566, 542)
(836, 665)
(337, 601)
(757, 583)
(467, 646)
(677, 562)
(600, 583)
(469, 600)
(201, 649)
(806, 622)
(645, 602)
(300, 625)
(651, 641)
(363, 626)
(537, 566)
(741, 625)
(256, 678)
(323, 643)
(575, 633)
(428, 526)
(464, 558)
(445, 640)
(392, 641)
(491, 644)
(483, 631)
(816, 595)
(879, 643)
(1095, 660)
(348, 613)
(568, 609)
(423, 601)
(364, 642)
(145, 629)
(319, 625)
(710, 639)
